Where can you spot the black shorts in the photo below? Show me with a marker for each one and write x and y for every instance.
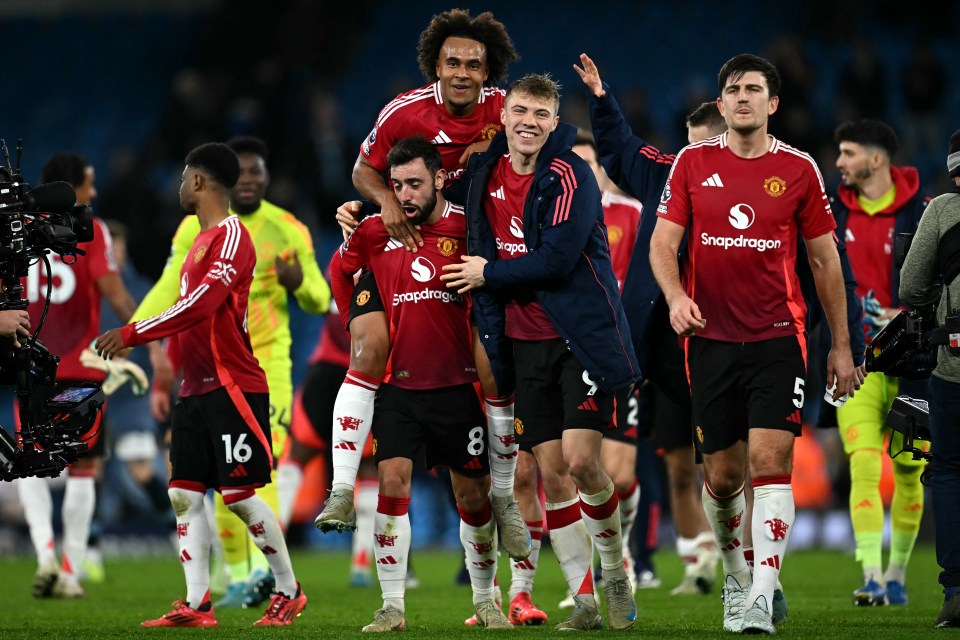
(627, 416)
(738, 386)
(671, 423)
(366, 297)
(444, 427)
(220, 441)
(321, 384)
(554, 393)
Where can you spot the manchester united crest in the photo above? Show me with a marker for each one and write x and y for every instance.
(518, 426)
(489, 131)
(446, 246)
(614, 233)
(363, 298)
(374, 446)
(700, 434)
(199, 253)
(775, 186)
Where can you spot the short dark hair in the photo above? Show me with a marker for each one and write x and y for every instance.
(457, 23)
(218, 161)
(409, 149)
(586, 138)
(537, 85)
(249, 144)
(738, 65)
(707, 115)
(118, 230)
(65, 166)
(869, 133)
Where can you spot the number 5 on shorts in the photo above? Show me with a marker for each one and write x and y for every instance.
(798, 389)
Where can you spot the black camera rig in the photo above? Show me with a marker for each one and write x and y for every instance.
(53, 419)
(911, 418)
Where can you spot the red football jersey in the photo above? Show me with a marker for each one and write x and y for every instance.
(422, 112)
(334, 343)
(503, 203)
(621, 215)
(210, 318)
(430, 335)
(73, 320)
(742, 217)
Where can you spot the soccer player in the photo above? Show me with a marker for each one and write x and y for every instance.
(552, 293)
(428, 407)
(875, 202)
(641, 170)
(286, 266)
(747, 365)
(72, 323)
(220, 435)
(464, 58)
(618, 451)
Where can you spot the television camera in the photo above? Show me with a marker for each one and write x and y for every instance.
(33, 223)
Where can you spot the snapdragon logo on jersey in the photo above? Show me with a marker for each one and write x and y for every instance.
(423, 270)
(516, 230)
(741, 218)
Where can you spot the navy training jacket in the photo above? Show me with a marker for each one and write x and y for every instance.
(567, 263)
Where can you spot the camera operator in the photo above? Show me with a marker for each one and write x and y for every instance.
(14, 324)
(72, 323)
(935, 254)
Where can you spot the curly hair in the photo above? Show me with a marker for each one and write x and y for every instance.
(457, 23)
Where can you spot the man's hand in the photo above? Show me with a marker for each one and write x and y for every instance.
(15, 324)
(160, 404)
(465, 276)
(590, 76)
(840, 367)
(685, 316)
(398, 226)
(290, 274)
(348, 217)
(109, 344)
(163, 372)
(476, 147)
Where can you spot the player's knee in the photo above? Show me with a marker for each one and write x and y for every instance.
(681, 483)
(472, 496)
(394, 481)
(183, 501)
(623, 480)
(525, 478)
(769, 463)
(584, 468)
(369, 346)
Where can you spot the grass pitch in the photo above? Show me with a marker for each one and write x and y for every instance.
(817, 584)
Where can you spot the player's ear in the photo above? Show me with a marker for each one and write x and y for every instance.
(439, 179)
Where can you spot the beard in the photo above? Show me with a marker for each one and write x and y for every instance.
(424, 211)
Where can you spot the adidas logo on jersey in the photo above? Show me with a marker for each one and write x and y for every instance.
(442, 138)
(712, 181)
(498, 194)
(392, 244)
